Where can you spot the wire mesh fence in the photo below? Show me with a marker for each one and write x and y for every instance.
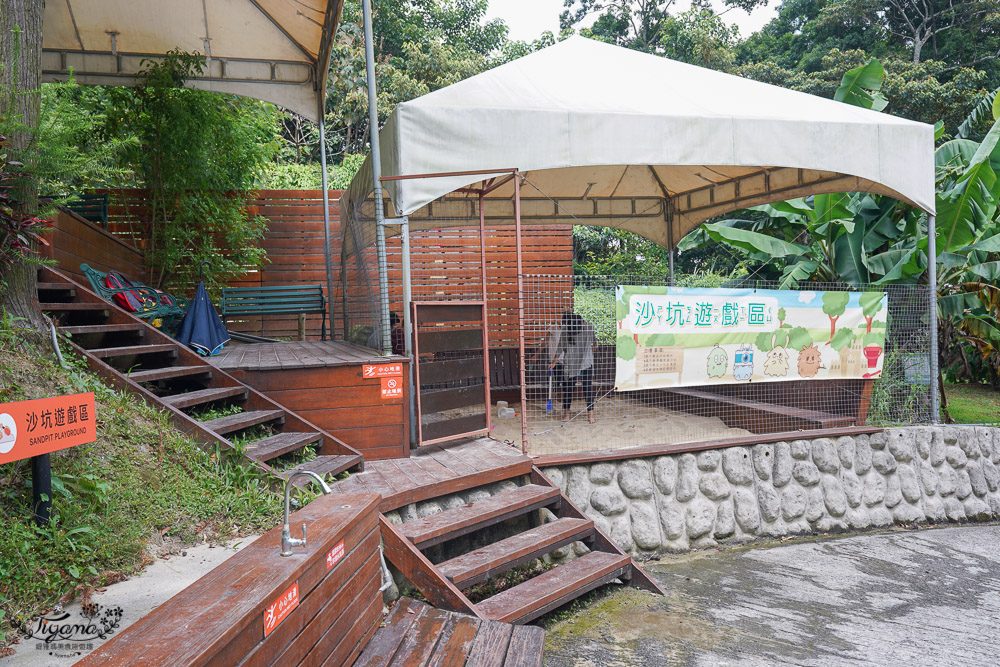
(586, 413)
(451, 262)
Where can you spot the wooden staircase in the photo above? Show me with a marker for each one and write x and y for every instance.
(444, 583)
(139, 358)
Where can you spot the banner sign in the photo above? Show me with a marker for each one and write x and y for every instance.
(44, 425)
(687, 336)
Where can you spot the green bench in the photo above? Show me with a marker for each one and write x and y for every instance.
(144, 302)
(298, 300)
(92, 206)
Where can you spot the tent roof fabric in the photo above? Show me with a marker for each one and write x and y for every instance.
(271, 50)
(586, 120)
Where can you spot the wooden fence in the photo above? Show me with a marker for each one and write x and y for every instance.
(444, 262)
(74, 241)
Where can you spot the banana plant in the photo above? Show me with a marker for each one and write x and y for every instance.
(860, 238)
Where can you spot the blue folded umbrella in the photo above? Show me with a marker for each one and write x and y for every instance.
(202, 329)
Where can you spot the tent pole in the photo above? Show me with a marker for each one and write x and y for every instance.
(486, 324)
(383, 274)
(520, 312)
(670, 238)
(932, 316)
(326, 218)
(404, 232)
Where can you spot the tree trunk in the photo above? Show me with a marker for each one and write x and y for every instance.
(21, 52)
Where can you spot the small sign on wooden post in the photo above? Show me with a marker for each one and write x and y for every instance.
(280, 608)
(33, 429)
(392, 387)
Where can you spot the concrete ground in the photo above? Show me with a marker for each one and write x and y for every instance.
(927, 597)
(136, 597)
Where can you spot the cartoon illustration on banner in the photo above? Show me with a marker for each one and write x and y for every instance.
(686, 336)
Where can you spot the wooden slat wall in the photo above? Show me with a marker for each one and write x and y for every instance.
(343, 403)
(446, 265)
(219, 619)
(445, 262)
(74, 241)
(294, 245)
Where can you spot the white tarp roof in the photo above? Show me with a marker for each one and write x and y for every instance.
(594, 123)
(274, 50)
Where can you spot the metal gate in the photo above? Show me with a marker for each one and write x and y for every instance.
(452, 372)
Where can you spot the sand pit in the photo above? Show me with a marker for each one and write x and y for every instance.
(622, 422)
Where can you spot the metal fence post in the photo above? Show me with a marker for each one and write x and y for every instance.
(383, 274)
(932, 316)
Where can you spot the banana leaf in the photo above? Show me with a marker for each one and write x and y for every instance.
(955, 153)
(970, 204)
(955, 306)
(754, 242)
(860, 86)
(988, 270)
(895, 265)
(985, 109)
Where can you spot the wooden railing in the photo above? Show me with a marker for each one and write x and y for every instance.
(319, 606)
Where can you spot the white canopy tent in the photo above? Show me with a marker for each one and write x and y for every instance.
(270, 50)
(598, 131)
(584, 120)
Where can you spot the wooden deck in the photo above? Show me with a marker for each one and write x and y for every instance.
(437, 470)
(325, 383)
(296, 354)
(416, 634)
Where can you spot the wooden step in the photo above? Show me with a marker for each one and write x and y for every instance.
(57, 287)
(417, 634)
(453, 523)
(282, 443)
(131, 350)
(102, 328)
(322, 466)
(554, 588)
(50, 306)
(169, 372)
(232, 423)
(491, 560)
(191, 398)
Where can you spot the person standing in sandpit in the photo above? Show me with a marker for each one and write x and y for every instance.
(574, 353)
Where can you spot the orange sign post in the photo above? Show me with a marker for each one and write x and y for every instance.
(33, 429)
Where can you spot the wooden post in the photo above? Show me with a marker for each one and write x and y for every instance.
(520, 312)
(486, 326)
(41, 489)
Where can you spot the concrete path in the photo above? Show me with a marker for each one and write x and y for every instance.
(929, 597)
(136, 597)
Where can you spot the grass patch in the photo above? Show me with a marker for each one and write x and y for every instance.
(141, 481)
(973, 403)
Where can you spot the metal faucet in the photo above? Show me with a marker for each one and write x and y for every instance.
(287, 541)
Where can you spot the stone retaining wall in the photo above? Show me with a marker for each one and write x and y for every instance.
(682, 501)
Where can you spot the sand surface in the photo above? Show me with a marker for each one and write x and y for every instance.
(621, 422)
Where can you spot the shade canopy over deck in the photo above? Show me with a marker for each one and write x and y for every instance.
(271, 50)
(609, 136)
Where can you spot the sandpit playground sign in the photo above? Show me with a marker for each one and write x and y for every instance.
(44, 425)
(685, 336)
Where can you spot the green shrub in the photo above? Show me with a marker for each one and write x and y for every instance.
(140, 479)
